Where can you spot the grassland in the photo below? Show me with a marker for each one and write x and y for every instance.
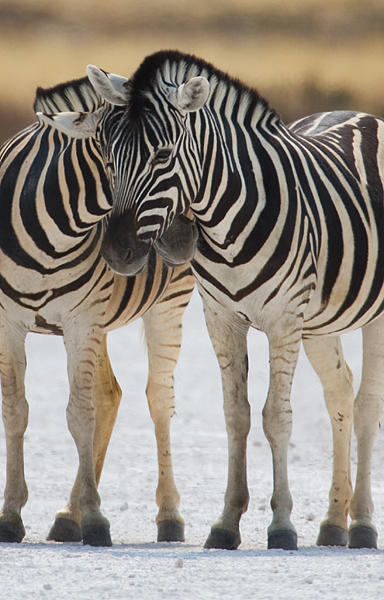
(303, 55)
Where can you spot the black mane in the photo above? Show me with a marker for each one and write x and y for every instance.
(145, 79)
(75, 95)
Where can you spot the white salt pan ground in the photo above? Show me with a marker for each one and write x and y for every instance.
(136, 566)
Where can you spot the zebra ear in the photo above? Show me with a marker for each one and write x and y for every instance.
(108, 85)
(192, 95)
(74, 124)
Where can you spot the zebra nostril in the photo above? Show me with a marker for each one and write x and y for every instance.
(128, 255)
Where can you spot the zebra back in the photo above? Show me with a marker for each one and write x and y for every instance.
(76, 95)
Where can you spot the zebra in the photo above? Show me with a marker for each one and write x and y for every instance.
(290, 221)
(55, 194)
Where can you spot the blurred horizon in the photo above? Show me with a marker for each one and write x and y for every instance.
(303, 56)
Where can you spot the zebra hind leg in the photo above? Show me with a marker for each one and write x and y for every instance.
(15, 417)
(106, 399)
(83, 337)
(326, 356)
(368, 410)
(162, 326)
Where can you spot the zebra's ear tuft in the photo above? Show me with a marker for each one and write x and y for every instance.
(108, 85)
(192, 95)
(74, 124)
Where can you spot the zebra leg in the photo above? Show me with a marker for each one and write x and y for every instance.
(83, 342)
(163, 332)
(277, 424)
(229, 339)
(326, 356)
(106, 399)
(368, 410)
(15, 417)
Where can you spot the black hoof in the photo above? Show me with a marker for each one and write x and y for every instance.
(224, 539)
(96, 535)
(362, 537)
(332, 535)
(283, 540)
(64, 530)
(9, 532)
(170, 531)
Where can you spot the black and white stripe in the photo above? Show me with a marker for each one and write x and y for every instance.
(290, 222)
(55, 193)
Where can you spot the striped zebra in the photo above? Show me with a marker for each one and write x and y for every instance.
(290, 242)
(55, 193)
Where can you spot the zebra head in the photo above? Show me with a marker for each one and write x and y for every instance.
(124, 249)
(153, 185)
(83, 113)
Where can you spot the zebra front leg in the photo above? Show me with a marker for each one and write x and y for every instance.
(163, 332)
(15, 417)
(229, 339)
(368, 410)
(277, 424)
(326, 356)
(106, 398)
(83, 341)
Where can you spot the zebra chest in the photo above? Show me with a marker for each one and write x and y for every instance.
(240, 290)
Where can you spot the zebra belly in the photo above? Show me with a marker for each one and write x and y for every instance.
(343, 312)
(340, 314)
(334, 323)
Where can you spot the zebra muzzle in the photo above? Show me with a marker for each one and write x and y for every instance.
(178, 244)
(121, 249)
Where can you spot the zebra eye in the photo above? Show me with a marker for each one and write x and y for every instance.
(110, 166)
(162, 155)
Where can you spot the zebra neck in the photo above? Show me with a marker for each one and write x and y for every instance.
(59, 195)
(237, 171)
(73, 193)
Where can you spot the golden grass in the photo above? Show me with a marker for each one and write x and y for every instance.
(300, 68)
(265, 62)
(136, 10)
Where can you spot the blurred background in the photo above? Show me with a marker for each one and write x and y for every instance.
(304, 56)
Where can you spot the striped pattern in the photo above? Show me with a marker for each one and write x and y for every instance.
(291, 221)
(55, 193)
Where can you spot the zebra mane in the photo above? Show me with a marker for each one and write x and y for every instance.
(77, 95)
(174, 67)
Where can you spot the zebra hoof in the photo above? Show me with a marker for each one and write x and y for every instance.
(362, 537)
(10, 532)
(332, 535)
(223, 539)
(96, 535)
(170, 531)
(283, 540)
(64, 530)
